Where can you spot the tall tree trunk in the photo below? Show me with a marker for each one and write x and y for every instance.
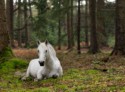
(69, 26)
(86, 24)
(59, 29)
(30, 8)
(26, 22)
(72, 30)
(119, 48)
(100, 24)
(9, 12)
(78, 28)
(19, 24)
(59, 35)
(4, 36)
(93, 35)
(30, 25)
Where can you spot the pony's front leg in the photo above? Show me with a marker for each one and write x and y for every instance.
(39, 76)
(54, 75)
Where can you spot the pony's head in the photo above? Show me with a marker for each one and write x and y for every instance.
(42, 52)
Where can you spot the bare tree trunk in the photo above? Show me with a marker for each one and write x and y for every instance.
(119, 48)
(59, 35)
(78, 28)
(30, 25)
(100, 24)
(19, 24)
(26, 22)
(9, 12)
(72, 30)
(69, 26)
(59, 29)
(4, 36)
(86, 24)
(93, 40)
(30, 9)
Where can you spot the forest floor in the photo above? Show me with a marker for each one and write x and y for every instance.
(82, 73)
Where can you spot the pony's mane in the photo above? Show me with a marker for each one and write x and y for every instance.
(50, 47)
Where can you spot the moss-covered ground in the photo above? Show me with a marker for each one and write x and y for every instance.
(82, 73)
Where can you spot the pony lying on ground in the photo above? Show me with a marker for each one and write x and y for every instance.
(46, 66)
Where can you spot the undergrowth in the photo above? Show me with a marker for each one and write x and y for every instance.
(12, 64)
(82, 73)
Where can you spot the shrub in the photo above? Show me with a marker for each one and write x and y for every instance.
(12, 64)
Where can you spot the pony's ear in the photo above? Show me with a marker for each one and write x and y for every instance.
(46, 42)
(38, 42)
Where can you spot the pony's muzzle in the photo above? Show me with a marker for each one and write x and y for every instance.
(41, 63)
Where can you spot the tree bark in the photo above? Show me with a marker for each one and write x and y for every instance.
(19, 24)
(4, 37)
(30, 9)
(78, 28)
(69, 26)
(119, 48)
(86, 24)
(72, 30)
(59, 29)
(93, 35)
(5, 51)
(101, 34)
(9, 12)
(59, 35)
(26, 22)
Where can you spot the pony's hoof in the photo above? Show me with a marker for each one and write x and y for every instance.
(35, 80)
(54, 76)
(23, 79)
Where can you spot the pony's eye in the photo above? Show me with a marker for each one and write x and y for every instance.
(46, 50)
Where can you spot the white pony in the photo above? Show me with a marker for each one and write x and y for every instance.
(46, 66)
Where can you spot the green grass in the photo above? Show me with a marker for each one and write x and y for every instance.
(75, 79)
(12, 64)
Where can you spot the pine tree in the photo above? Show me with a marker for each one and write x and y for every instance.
(119, 48)
(4, 36)
(93, 34)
